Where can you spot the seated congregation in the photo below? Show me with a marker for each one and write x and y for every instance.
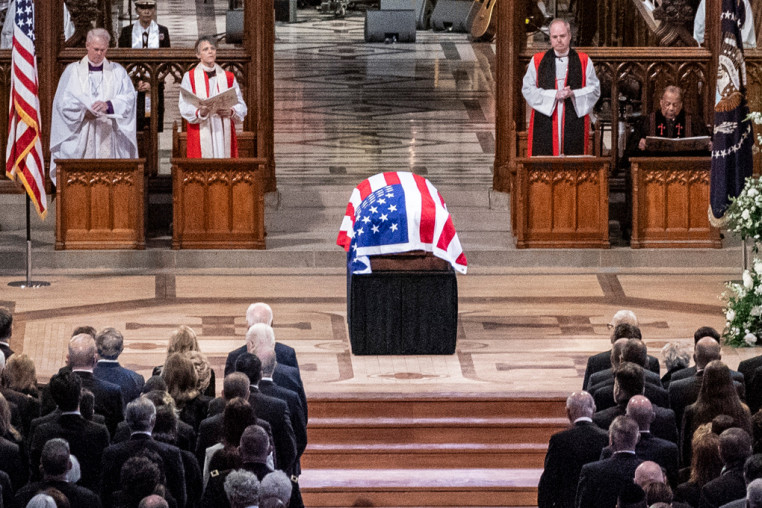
(690, 438)
(100, 435)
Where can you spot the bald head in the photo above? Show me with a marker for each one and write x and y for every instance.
(259, 313)
(707, 350)
(153, 501)
(259, 337)
(648, 472)
(82, 352)
(579, 405)
(641, 410)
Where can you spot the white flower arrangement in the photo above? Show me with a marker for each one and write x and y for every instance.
(744, 215)
(743, 312)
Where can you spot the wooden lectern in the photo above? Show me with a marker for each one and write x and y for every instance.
(100, 204)
(670, 200)
(218, 203)
(561, 202)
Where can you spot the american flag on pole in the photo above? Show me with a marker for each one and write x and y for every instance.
(398, 212)
(733, 138)
(24, 152)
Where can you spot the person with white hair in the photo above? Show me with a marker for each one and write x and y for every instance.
(754, 494)
(568, 451)
(260, 312)
(242, 489)
(93, 114)
(275, 490)
(41, 501)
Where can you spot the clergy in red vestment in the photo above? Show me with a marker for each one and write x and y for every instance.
(561, 87)
(211, 134)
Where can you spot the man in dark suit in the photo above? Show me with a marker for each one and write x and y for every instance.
(110, 344)
(684, 392)
(262, 313)
(601, 481)
(629, 382)
(141, 417)
(56, 463)
(275, 411)
(268, 387)
(605, 377)
(752, 473)
(210, 431)
(735, 448)
(6, 330)
(602, 361)
(262, 337)
(568, 451)
(146, 33)
(650, 448)
(81, 359)
(88, 439)
(702, 333)
(634, 351)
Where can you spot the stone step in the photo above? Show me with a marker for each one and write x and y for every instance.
(415, 406)
(433, 430)
(424, 456)
(478, 487)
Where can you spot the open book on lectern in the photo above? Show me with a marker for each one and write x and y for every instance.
(225, 100)
(693, 144)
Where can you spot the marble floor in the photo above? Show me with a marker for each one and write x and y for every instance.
(520, 332)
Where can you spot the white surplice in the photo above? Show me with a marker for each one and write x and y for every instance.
(544, 100)
(72, 136)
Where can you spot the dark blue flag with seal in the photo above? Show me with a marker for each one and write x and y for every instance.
(733, 138)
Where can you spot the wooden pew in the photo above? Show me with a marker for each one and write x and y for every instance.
(561, 202)
(100, 204)
(670, 200)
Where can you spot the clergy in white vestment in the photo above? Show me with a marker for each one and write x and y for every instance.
(561, 87)
(211, 134)
(93, 113)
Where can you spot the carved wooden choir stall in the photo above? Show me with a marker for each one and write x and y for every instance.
(100, 204)
(670, 200)
(218, 203)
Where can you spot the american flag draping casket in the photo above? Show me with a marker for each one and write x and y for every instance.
(396, 212)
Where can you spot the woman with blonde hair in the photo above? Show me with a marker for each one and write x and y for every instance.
(20, 375)
(184, 340)
(180, 375)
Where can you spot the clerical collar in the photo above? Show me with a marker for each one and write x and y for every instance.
(94, 68)
(561, 56)
(210, 74)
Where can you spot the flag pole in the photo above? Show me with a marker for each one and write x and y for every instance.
(28, 283)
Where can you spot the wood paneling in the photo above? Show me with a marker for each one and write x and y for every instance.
(100, 204)
(670, 199)
(561, 202)
(218, 203)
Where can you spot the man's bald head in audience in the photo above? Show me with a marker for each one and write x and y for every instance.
(82, 352)
(649, 472)
(578, 405)
(635, 351)
(153, 501)
(707, 350)
(640, 409)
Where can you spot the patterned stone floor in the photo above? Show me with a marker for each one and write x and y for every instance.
(519, 332)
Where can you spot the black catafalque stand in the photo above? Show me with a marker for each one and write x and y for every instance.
(28, 283)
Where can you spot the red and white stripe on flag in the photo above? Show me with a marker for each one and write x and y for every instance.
(435, 232)
(24, 151)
